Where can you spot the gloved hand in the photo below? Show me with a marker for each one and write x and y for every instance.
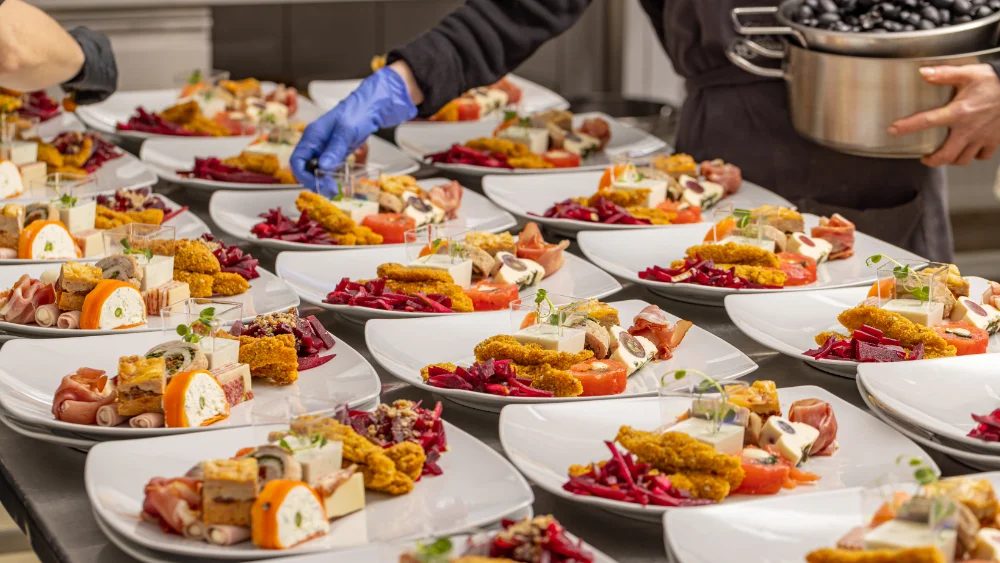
(381, 100)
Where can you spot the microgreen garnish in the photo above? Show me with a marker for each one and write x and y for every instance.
(742, 217)
(436, 552)
(910, 278)
(542, 296)
(195, 77)
(706, 385)
(922, 473)
(285, 445)
(67, 200)
(509, 115)
(202, 327)
(127, 249)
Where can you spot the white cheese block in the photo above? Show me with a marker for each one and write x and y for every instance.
(549, 337)
(220, 351)
(300, 517)
(124, 307)
(521, 271)
(633, 351)
(792, 439)
(50, 277)
(536, 139)
(80, 217)
(53, 243)
(358, 209)
(417, 209)
(91, 243)
(204, 399)
(460, 269)
(766, 244)
(728, 439)
(19, 152)
(700, 193)
(209, 102)
(281, 150)
(927, 313)
(982, 316)
(157, 272)
(816, 248)
(274, 113)
(581, 144)
(347, 498)
(318, 456)
(987, 545)
(33, 174)
(11, 183)
(489, 100)
(657, 189)
(900, 534)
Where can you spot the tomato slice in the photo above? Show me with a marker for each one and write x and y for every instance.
(468, 109)
(965, 336)
(688, 215)
(488, 296)
(801, 270)
(601, 377)
(562, 159)
(390, 225)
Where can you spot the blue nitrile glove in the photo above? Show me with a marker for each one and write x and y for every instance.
(381, 100)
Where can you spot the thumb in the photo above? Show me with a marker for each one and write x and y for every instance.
(946, 75)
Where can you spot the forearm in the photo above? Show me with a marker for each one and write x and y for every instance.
(35, 51)
(479, 43)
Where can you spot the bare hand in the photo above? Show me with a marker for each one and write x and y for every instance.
(973, 116)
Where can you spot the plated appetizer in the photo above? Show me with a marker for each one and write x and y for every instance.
(195, 380)
(26, 160)
(473, 271)
(285, 492)
(542, 140)
(731, 443)
(532, 540)
(574, 350)
(668, 190)
(37, 105)
(231, 107)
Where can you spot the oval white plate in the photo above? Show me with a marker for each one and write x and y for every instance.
(32, 370)
(939, 395)
(237, 212)
(534, 97)
(120, 106)
(167, 155)
(405, 347)
(267, 294)
(117, 472)
(314, 275)
(529, 197)
(544, 440)
(419, 139)
(65, 121)
(774, 530)
(187, 224)
(626, 253)
(789, 322)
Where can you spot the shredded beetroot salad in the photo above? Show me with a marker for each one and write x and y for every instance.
(214, 169)
(622, 479)
(374, 295)
(604, 212)
(459, 154)
(402, 421)
(39, 104)
(989, 427)
(148, 122)
(866, 344)
(70, 142)
(311, 337)
(234, 260)
(277, 225)
(492, 377)
(701, 272)
(543, 538)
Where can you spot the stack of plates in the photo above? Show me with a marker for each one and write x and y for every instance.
(932, 402)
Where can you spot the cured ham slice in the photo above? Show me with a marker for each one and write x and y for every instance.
(81, 395)
(652, 323)
(69, 319)
(24, 298)
(819, 415)
(46, 315)
(174, 504)
(448, 197)
(729, 176)
(839, 232)
(531, 246)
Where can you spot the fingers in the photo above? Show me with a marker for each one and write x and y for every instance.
(934, 118)
(313, 140)
(987, 152)
(968, 155)
(947, 75)
(949, 153)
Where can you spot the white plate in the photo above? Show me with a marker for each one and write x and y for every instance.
(314, 275)
(419, 139)
(65, 121)
(124, 172)
(120, 106)
(534, 97)
(544, 440)
(33, 368)
(237, 212)
(529, 197)
(775, 530)
(626, 253)
(167, 155)
(478, 487)
(405, 347)
(939, 395)
(789, 322)
(267, 294)
(187, 224)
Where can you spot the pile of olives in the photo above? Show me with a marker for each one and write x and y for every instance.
(882, 16)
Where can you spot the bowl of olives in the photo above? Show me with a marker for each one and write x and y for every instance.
(881, 28)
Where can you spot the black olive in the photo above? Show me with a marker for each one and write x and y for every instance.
(852, 21)
(828, 7)
(911, 18)
(891, 11)
(926, 25)
(909, 27)
(803, 13)
(829, 17)
(962, 8)
(961, 19)
(945, 15)
(931, 13)
(943, 3)
(867, 4)
(814, 4)
(811, 22)
(893, 26)
(983, 12)
(994, 5)
(978, 2)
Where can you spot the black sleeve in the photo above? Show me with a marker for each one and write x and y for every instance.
(996, 65)
(480, 42)
(98, 78)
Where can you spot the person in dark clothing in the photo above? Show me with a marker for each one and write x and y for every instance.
(36, 53)
(728, 113)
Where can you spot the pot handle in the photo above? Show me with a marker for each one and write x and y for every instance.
(740, 51)
(744, 29)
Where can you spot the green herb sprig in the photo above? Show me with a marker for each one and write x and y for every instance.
(742, 217)
(706, 385)
(436, 552)
(910, 278)
(67, 200)
(127, 249)
(194, 332)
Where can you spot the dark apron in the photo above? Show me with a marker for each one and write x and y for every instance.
(744, 119)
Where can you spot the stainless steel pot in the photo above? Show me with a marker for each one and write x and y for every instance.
(950, 40)
(848, 103)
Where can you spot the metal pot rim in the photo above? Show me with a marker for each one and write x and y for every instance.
(938, 58)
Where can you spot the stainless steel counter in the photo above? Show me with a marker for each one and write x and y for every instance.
(41, 485)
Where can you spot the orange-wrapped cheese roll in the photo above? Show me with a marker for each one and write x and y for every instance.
(287, 513)
(113, 304)
(46, 240)
(194, 398)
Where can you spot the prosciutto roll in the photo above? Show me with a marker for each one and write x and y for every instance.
(81, 394)
(147, 420)
(46, 315)
(531, 246)
(839, 232)
(652, 323)
(227, 535)
(108, 415)
(175, 505)
(819, 415)
(68, 320)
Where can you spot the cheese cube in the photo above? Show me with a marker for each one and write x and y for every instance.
(536, 139)
(460, 269)
(728, 439)
(927, 313)
(489, 99)
(987, 545)
(33, 174)
(633, 351)
(318, 456)
(521, 271)
(281, 150)
(556, 338)
(657, 189)
(157, 272)
(985, 317)
(792, 439)
(274, 113)
(766, 244)
(91, 243)
(80, 217)
(358, 209)
(700, 194)
(581, 144)
(816, 248)
(347, 498)
(900, 534)
(220, 351)
(19, 152)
